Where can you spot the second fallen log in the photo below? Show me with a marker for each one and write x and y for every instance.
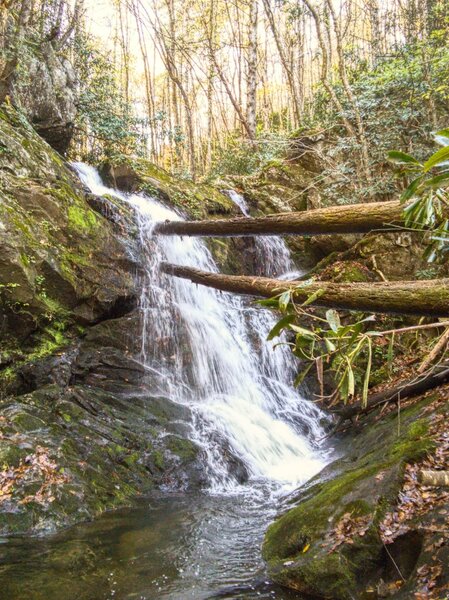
(434, 478)
(423, 298)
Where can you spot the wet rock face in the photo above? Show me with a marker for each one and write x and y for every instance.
(83, 435)
(49, 97)
(62, 263)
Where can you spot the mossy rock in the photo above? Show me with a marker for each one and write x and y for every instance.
(62, 264)
(98, 451)
(346, 272)
(302, 548)
(186, 450)
(102, 440)
(197, 200)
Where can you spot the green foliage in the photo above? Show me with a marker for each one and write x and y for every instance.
(346, 348)
(104, 116)
(427, 195)
(396, 99)
(240, 157)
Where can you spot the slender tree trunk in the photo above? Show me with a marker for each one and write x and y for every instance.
(361, 135)
(376, 38)
(227, 87)
(125, 50)
(325, 68)
(149, 89)
(285, 63)
(210, 86)
(427, 72)
(251, 78)
(167, 52)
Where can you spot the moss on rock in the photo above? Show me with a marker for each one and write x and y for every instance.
(303, 548)
(60, 262)
(197, 200)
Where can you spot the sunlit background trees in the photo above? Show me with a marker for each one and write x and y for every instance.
(203, 86)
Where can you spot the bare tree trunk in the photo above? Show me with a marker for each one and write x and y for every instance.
(168, 57)
(325, 68)
(149, 90)
(251, 77)
(232, 98)
(376, 38)
(125, 50)
(285, 63)
(422, 298)
(210, 86)
(349, 93)
(427, 73)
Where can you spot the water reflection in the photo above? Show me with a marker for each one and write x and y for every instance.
(172, 548)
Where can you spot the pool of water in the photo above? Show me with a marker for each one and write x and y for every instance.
(178, 547)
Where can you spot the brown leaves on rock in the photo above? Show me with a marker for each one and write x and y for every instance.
(427, 576)
(347, 529)
(416, 499)
(36, 468)
(416, 502)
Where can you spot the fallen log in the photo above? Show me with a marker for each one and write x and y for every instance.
(434, 478)
(404, 389)
(353, 218)
(422, 298)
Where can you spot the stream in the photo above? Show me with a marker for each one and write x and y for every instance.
(207, 350)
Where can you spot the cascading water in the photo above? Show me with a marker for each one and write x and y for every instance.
(273, 256)
(209, 351)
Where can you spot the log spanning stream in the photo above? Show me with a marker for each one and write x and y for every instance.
(206, 350)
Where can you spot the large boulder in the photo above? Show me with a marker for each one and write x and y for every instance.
(364, 527)
(62, 264)
(48, 96)
(82, 434)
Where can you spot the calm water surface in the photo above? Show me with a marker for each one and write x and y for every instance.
(171, 548)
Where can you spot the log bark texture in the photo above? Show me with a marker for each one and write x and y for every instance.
(424, 298)
(353, 218)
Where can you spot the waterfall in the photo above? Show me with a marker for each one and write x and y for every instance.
(208, 350)
(273, 256)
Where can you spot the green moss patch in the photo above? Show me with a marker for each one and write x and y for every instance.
(300, 546)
